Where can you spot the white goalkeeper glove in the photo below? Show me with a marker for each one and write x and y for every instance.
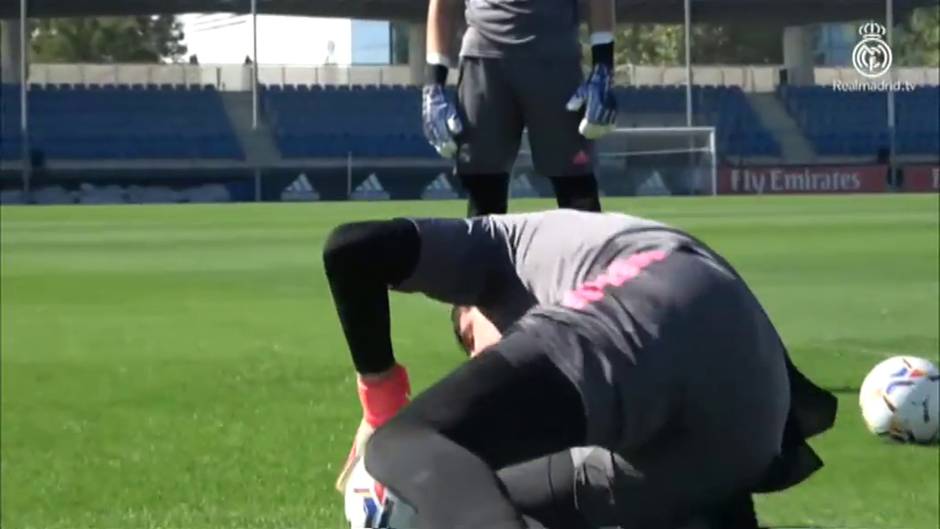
(363, 433)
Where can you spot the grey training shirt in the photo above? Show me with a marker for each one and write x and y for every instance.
(502, 28)
(506, 264)
(533, 271)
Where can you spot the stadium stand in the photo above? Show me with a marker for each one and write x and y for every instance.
(120, 122)
(853, 123)
(85, 122)
(377, 122)
(10, 137)
(365, 121)
(738, 129)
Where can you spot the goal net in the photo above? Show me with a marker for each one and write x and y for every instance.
(640, 161)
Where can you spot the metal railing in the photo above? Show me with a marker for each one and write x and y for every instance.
(235, 77)
(228, 77)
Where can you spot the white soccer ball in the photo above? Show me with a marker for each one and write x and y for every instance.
(900, 399)
(369, 505)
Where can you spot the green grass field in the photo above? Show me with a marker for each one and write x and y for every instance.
(182, 367)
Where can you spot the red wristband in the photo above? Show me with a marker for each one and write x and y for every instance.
(382, 399)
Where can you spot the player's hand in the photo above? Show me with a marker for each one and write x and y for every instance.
(597, 94)
(381, 396)
(363, 433)
(441, 121)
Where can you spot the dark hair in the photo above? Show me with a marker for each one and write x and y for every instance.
(455, 325)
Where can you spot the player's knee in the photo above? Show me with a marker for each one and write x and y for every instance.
(388, 448)
(577, 192)
(376, 454)
(544, 490)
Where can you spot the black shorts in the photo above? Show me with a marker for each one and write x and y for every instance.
(498, 98)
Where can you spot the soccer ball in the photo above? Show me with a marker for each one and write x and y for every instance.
(900, 399)
(369, 505)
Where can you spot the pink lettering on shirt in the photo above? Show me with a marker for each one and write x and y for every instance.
(618, 273)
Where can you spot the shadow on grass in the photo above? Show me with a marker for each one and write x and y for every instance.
(842, 390)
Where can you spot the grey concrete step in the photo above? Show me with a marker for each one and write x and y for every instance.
(794, 146)
(258, 144)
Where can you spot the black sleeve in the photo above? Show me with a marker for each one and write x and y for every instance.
(362, 261)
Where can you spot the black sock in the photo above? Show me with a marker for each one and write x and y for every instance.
(487, 194)
(577, 192)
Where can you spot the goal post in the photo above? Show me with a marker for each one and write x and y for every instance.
(646, 161)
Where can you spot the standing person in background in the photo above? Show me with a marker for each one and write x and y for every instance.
(520, 68)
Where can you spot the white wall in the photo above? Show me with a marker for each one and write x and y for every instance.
(220, 38)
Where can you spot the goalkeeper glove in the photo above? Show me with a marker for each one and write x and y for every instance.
(381, 400)
(439, 113)
(363, 433)
(597, 95)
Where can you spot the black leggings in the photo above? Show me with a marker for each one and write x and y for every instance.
(577, 192)
(440, 453)
(543, 490)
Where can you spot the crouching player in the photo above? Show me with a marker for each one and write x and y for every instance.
(591, 329)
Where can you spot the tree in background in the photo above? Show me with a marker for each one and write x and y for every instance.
(648, 44)
(140, 39)
(917, 40)
(735, 44)
(664, 45)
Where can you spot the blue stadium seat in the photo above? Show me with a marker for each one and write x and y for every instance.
(384, 121)
(334, 121)
(127, 121)
(834, 124)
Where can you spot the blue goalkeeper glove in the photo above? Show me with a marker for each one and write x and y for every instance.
(439, 114)
(597, 94)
